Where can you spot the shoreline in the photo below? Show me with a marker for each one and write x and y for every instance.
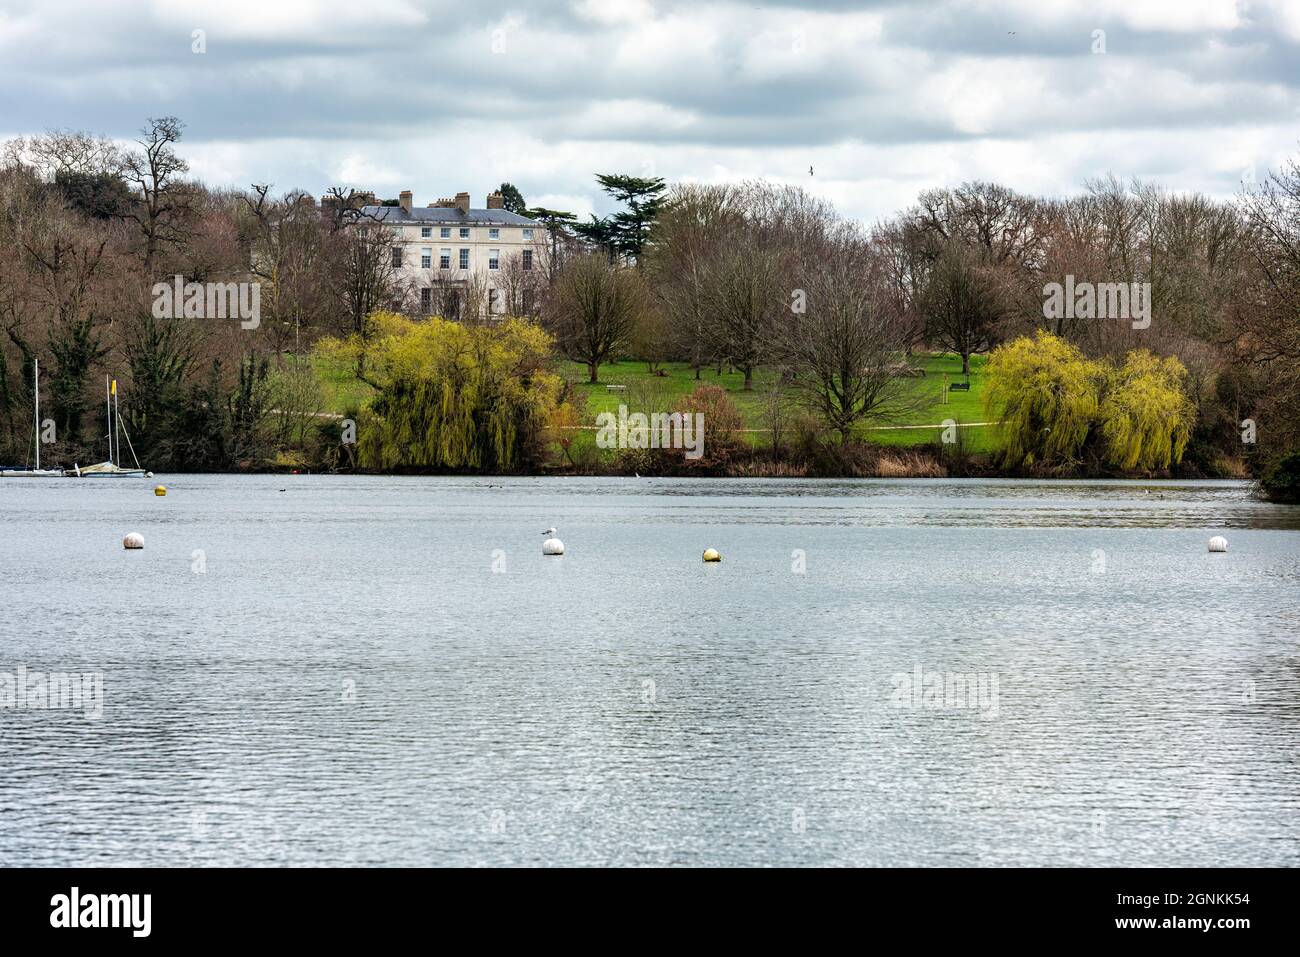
(721, 476)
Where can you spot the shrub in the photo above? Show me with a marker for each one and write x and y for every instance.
(1281, 483)
(722, 420)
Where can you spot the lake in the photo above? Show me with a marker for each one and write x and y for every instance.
(386, 671)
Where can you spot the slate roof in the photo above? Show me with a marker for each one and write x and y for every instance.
(447, 215)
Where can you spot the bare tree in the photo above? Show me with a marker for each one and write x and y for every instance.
(962, 303)
(476, 299)
(1005, 226)
(74, 152)
(288, 244)
(743, 297)
(342, 207)
(365, 277)
(1273, 211)
(689, 235)
(650, 338)
(1265, 331)
(522, 282)
(902, 253)
(593, 309)
(163, 199)
(65, 281)
(841, 353)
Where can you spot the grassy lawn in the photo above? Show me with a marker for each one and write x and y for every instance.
(339, 385)
(922, 396)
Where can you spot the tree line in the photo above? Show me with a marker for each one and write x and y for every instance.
(743, 276)
(756, 275)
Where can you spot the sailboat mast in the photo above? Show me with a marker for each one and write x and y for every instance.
(108, 406)
(36, 390)
(117, 420)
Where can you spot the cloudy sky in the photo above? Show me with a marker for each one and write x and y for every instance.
(881, 98)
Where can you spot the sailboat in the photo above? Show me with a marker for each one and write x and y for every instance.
(37, 472)
(111, 469)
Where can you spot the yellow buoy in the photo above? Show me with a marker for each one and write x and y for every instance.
(711, 555)
(160, 490)
(133, 540)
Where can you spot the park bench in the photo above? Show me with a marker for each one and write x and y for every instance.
(615, 388)
(959, 387)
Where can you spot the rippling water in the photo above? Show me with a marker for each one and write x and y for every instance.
(329, 670)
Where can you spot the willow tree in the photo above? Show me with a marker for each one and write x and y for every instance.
(450, 396)
(1047, 395)
(1058, 407)
(1146, 417)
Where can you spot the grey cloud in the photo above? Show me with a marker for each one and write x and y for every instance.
(367, 90)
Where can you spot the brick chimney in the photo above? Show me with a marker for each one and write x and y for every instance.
(462, 203)
(496, 201)
(405, 198)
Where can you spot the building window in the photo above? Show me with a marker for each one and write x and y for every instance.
(492, 302)
(528, 302)
(426, 299)
(494, 259)
(426, 232)
(453, 303)
(464, 259)
(426, 258)
(494, 233)
(397, 257)
(528, 235)
(464, 232)
(444, 232)
(444, 258)
(528, 259)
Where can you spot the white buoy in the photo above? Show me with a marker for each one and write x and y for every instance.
(712, 555)
(1218, 544)
(552, 545)
(134, 540)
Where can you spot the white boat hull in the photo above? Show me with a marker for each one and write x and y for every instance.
(105, 470)
(31, 473)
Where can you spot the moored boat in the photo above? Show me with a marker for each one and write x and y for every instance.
(38, 472)
(116, 432)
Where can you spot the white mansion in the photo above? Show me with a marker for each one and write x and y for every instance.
(456, 259)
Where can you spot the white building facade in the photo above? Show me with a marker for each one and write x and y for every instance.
(456, 261)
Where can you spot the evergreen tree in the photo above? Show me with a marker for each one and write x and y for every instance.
(512, 198)
(644, 198)
(558, 225)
